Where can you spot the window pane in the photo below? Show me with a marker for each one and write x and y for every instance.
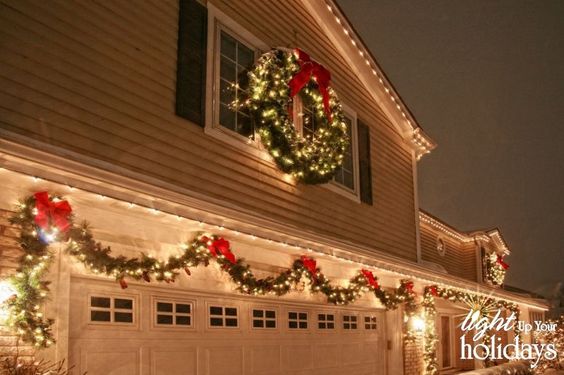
(330, 325)
(246, 56)
(216, 310)
(270, 324)
(330, 317)
(303, 325)
(122, 317)
(228, 70)
(231, 322)
(100, 316)
(123, 304)
(183, 320)
(244, 124)
(230, 311)
(320, 316)
(226, 94)
(258, 313)
(270, 314)
(216, 322)
(353, 326)
(303, 316)
(321, 325)
(346, 318)
(258, 324)
(292, 315)
(164, 319)
(228, 45)
(164, 307)
(100, 302)
(293, 324)
(182, 308)
(226, 117)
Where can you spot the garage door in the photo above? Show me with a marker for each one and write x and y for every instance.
(164, 331)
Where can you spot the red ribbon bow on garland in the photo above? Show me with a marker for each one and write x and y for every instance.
(309, 69)
(310, 265)
(409, 286)
(50, 213)
(433, 290)
(501, 262)
(219, 247)
(369, 276)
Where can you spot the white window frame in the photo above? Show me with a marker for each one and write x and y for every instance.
(112, 310)
(217, 22)
(358, 322)
(334, 321)
(372, 323)
(276, 318)
(298, 320)
(209, 315)
(334, 186)
(174, 314)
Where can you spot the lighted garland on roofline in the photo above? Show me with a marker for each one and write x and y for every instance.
(44, 219)
(277, 78)
(431, 366)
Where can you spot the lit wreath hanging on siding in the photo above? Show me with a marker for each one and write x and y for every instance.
(276, 79)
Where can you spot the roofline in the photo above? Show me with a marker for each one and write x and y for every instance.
(340, 31)
(492, 235)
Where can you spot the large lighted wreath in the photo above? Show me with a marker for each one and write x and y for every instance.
(278, 77)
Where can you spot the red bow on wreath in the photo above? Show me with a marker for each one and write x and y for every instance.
(310, 265)
(219, 247)
(309, 69)
(433, 290)
(501, 262)
(50, 213)
(369, 276)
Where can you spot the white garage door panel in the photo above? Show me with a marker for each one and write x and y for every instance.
(109, 360)
(174, 362)
(146, 347)
(224, 360)
(264, 360)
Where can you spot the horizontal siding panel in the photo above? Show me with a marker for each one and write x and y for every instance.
(99, 78)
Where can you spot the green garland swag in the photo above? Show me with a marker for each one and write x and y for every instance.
(430, 312)
(278, 76)
(45, 219)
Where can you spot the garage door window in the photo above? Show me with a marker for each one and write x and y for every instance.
(264, 318)
(172, 313)
(370, 322)
(350, 322)
(222, 316)
(297, 320)
(325, 321)
(111, 310)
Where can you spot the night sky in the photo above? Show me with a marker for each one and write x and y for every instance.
(485, 79)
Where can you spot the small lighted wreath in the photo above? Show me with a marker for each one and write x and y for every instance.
(276, 79)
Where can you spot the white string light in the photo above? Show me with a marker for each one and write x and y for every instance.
(391, 270)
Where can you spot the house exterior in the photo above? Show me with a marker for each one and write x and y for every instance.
(122, 109)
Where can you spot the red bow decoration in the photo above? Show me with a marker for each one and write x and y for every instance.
(409, 286)
(501, 262)
(52, 213)
(221, 247)
(433, 290)
(309, 69)
(310, 265)
(369, 276)
(122, 283)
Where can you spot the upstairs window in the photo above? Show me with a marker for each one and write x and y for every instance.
(345, 175)
(235, 60)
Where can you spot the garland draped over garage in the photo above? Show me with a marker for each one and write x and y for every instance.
(44, 219)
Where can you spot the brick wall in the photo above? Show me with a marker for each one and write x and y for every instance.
(9, 254)
(413, 357)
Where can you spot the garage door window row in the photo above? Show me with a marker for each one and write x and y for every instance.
(172, 313)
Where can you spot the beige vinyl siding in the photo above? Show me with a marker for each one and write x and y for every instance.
(459, 259)
(99, 78)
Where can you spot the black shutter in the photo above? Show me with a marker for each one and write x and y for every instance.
(364, 163)
(191, 63)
